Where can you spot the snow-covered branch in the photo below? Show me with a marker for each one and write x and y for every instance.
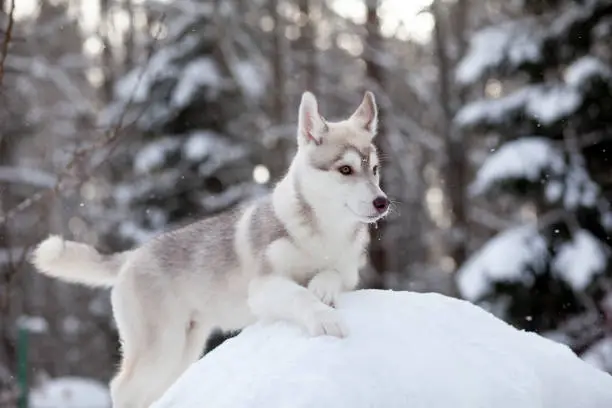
(23, 175)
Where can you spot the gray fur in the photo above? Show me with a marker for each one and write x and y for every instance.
(179, 249)
(265, 227)
(332, 156)
(305, 210)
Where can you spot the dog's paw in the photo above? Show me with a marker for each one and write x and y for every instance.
(326, 286)
(327, 322)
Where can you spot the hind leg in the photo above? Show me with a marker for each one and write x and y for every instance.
(197, 336)
(147, 375)
(154, 341)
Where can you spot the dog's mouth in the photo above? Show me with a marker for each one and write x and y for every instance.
(367, 219)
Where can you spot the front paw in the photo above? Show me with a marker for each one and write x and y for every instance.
(326, 286)
(326, 322)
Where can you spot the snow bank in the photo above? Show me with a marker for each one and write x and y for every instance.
(404, 350)
(70, 392)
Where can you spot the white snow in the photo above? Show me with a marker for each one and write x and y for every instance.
(531, 158)
(525, 158)
(201, 72)
(231, 195)
(516, 42)
(579, 188)
(549, 104)
(606, 219)
(33, 324)
(544, 103)
(131, 230)
(506, 257)
(403, 350)
(580, 259)
(580, 11)
(136, 84)
(503, 258)
(71, 325)
(25, 175)
(513, 43)
(70, 392)
(201, 144)
(193, 9)
(585, 68)
(600, 354)
(154, 154)
(11, 255)
(250, 79)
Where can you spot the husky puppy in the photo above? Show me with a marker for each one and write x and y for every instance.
(286, 256)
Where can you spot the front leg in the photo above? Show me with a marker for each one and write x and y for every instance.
(280, 298)
(328, 284)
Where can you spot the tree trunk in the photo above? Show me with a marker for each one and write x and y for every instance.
(7, 270)
(278, 69)
(307, 50)
(455, 164)
(277, 157)
(128, 62)
(379, 257)
(107, 53)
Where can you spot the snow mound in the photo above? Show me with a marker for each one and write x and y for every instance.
(70, 392)
(404, 350)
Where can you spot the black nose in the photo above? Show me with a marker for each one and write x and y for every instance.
(381, 203)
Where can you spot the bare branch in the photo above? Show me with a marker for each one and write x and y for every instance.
(7, 39)
(82, 153)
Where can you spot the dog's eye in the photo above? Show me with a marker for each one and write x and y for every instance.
(346, 170)
(375, 170)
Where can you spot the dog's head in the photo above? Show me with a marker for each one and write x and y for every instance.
(341, 158)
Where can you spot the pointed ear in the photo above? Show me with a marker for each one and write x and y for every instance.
(366, 115)
(311, 126)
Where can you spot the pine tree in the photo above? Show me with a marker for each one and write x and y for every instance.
(195, 103)
(548, 112)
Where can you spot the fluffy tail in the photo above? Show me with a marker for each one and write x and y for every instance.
(77, 263)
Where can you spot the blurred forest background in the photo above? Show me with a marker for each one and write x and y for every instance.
(122, 118)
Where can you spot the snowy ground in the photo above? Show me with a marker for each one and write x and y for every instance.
(404, 350)
(70, 392)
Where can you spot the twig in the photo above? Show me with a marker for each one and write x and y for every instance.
(7, 39)
(79, 155)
